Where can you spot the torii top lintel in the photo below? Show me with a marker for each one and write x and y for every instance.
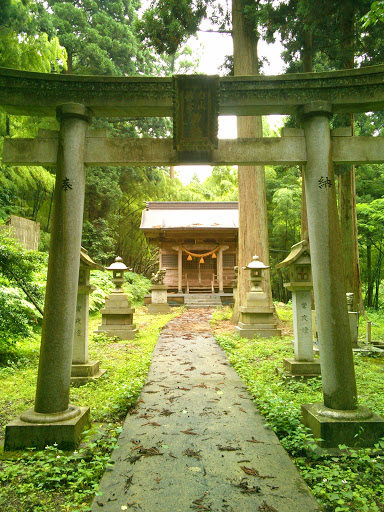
(30, 93)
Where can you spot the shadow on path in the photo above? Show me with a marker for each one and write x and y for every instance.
(195, 440)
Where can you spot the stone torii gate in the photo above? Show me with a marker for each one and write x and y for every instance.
(194, 102)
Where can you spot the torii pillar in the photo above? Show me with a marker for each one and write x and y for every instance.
(339, 420)
(53, 419)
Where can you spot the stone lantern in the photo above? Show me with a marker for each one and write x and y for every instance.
(257, 317)
(84, 370)
(353, 320)
(118, 268)
(117, 316)
(159, 290)
(298, 263)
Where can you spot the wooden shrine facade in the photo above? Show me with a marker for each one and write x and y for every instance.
(197, 243)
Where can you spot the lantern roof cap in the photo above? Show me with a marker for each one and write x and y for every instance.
(117, 264)
(297, 250)
(87, 261)
(256, 263)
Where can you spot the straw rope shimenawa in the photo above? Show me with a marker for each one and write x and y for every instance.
(201, 256)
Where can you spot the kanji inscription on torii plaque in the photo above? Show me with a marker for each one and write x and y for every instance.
(195, 119)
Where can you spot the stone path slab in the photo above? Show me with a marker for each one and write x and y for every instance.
(195, 440)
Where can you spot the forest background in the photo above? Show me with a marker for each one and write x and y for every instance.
(120, 38)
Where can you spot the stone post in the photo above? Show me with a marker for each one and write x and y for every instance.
(53, 419)
(339, 419)
(159, 303)
(84, 370)
(299, 283)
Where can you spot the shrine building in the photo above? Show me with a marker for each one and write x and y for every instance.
(197, 244)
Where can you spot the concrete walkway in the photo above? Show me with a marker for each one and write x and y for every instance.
(195, 440)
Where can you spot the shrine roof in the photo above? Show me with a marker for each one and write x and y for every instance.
(190, 216)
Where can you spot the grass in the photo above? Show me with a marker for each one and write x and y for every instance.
(53, 480)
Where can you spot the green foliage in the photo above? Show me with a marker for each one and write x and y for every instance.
(137, 287)
(167, 24)
(16, 317)
(21, 290)
(74, 475)
(221, 185)
(97, 35)
(28, 189)
(374, 15)
(31, 53)
(23, 45)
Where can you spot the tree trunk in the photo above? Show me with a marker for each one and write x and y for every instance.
(172, 172)
(253, 227)
(307, 57)
(347, 190)
(69, 70)
(369, 274)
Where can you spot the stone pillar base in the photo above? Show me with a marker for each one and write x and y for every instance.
(86, 372)
(302, 368)
(20, 434)
(159, 308)
(252, 330)
(360, 428)
(124, 332)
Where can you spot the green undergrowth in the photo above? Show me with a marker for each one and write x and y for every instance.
(351, 481)
(53, 480)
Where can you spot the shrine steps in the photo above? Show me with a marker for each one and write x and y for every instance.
(202, 300)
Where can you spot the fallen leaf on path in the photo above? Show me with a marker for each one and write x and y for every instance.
(192, 453)
(153, 423)
(228, 448)
(144, 452)
(253, 440)
(242, 410)
(166, 412)
(254, 472)
(250, 471)
(199, 505)
(128, 483)
(189, 432)
(246, 489)
(264, 507)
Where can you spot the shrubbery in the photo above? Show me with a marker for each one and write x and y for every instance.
(22, 287)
